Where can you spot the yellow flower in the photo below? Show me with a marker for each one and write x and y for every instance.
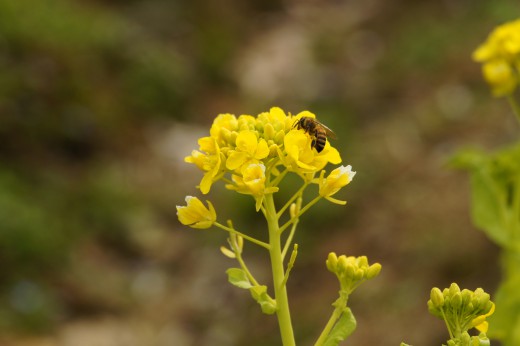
(337, 179)
(211, 163)
(222, 127)
(500, 76)
(480, 322)
(302, 158)
(252, 182)
(195, 214)
(500, 55)
(248, 147)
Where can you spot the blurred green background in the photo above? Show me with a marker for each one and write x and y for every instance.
(100, 101)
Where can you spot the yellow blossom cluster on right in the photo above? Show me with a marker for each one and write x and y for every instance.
(500, 56)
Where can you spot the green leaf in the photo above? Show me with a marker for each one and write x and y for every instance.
(488, 206)
(238, 277)
(342, 329)
(267, 304)
(504, 324)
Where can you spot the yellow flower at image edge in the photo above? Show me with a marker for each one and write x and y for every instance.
(195, 214)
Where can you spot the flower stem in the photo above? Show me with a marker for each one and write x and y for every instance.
(245, 236)
(340, 304)
(280, 290)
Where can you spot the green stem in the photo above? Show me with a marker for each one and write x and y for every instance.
(289, 239)
(289, 202)
(447, 324)
(245, 269)
(516, 107)
(302, 210)
(280, 290)
(245, 236)
(340, 304)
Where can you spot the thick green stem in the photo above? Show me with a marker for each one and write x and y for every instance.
(280, 291)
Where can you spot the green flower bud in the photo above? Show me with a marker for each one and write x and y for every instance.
(467, 295)
(465, 338)
(454, 288)
(359, 274)
(456, 301)
(488, 307)
(331, 262)
(342, 264)
(436, 297)
(350, 271)
(434, 310)
(362, 261)
(373, 270)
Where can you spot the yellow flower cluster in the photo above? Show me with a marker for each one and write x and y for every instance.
(256, 150)
(500, 55)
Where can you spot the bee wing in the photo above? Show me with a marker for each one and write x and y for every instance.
(329, 132)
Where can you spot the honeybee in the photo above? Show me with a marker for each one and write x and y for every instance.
(317, 130)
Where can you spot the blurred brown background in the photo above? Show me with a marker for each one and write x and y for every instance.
(101, 100)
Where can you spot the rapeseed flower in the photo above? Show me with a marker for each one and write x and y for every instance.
(195, 214)
(254, 150)
(500, 56)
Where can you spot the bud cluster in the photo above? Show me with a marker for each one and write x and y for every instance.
(351, 271)
(461, 310)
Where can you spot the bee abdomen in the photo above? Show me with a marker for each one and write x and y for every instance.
(319, 143)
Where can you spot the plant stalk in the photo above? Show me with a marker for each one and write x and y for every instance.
(280, 291)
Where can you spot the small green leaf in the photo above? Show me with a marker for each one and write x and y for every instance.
(267, 304)
(342, 329)
(238, 277)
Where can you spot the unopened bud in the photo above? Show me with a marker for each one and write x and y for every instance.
(436, 297)
(454, 288)
(362, 261)
(359, 274)
(332, 262)
(342, 264)
(350, 271)
(373, 270)
(269, 132)
(456, 301)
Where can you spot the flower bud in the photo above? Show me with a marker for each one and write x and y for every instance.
(269, 132)
(456, 301)
(454, 288)
(436, 297)
(332, 262)
(362, 261)
(350, 271)
(342, 264)
(373, 270)
(467, 295)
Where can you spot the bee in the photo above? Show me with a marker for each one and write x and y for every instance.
(317, 130)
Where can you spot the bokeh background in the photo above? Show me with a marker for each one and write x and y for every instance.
(100, 101)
